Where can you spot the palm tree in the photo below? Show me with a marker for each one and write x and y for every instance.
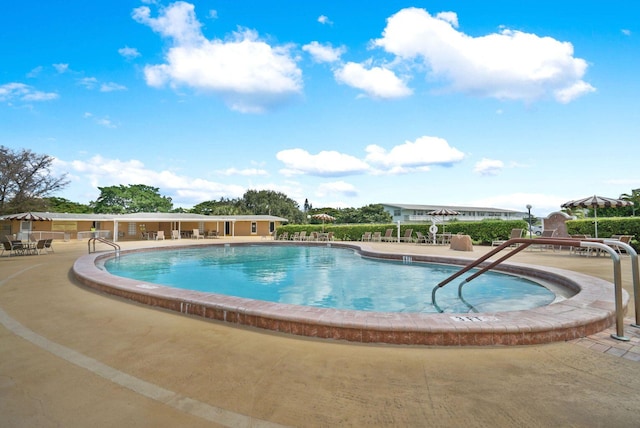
(633, 197)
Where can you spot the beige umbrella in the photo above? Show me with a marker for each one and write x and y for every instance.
(324, 217)
(25, 217)
(443, 212)
(596, 202)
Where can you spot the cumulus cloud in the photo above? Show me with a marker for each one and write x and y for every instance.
(111, 86)
(323, 53)
(489, 167)
(505, 65)
(128, 52)
(12, 92)
(101, 172)
(416, 155)
(244, 172)
(377, 82)
(250, 75)
(323, 164)
(324, 20)
(336, 188)
(61, 68)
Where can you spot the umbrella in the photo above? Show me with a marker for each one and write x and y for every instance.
(596, 202)
(324, 217)
(25, 217)
(443, 212)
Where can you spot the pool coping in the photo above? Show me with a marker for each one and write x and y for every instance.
(590, 310)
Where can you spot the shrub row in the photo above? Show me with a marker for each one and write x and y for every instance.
(481, 232)
(607, 227)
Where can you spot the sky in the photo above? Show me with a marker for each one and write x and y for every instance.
(494, 104)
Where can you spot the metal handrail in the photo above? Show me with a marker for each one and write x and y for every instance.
(115, 246)
(571, 242)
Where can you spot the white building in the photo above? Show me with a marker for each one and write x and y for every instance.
(407, 213)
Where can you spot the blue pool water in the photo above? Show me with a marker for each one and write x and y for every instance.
(326, 277)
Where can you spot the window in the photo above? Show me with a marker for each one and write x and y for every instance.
(254, 227)
(397, 213)
(132, 229)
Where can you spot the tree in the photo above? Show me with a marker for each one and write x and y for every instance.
(25, 179)
(134, 198)
(271, 203)
(221, 207)
(62, 205)
(633, 197)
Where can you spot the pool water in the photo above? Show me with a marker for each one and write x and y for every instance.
(322, 276)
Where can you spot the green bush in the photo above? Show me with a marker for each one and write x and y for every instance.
(607, 227)
(481, 232)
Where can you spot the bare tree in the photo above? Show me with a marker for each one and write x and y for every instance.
(25, 179)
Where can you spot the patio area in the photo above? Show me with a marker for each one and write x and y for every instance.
(70, 356)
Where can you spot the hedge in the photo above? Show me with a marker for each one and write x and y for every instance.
(481, 232)
(607, 226)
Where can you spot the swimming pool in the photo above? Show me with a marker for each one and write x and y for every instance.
(588, 308)
(326, 277)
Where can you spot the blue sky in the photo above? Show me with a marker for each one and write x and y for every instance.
(497, 104)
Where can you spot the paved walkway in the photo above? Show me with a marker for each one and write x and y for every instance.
(72, 357)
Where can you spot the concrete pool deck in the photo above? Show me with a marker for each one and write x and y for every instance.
(70, 356)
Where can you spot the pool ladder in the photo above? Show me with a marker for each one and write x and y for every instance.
(93, 240)
(598, 244)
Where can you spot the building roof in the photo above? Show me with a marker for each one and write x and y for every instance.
(159, 217)
(451, 207)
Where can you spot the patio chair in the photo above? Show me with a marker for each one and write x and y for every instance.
(445, 238)
(515, 233)
(160, 235)
(302, 236)
(212, 234)
(13, 247)
(421, 238)
(376, 237)
(408, 236)
(48, 245)
(295, 236)
(196, 234)
(388, 236)
(366, 236)
(39, 247)
(284, 236)
(175, 234)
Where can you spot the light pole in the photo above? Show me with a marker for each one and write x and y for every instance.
(529, 210)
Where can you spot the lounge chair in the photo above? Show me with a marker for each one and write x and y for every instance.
(302, 236)
(515, 233)
(212, 234)
(295, 236)
(366, 236)
(421, 238)
(196, 234)
(160, 235)
(376, 237)
(175, 234)
(408, 236)
(283, 236)
(40, 246)
(388, 236)
(48, 245)
(14, 247)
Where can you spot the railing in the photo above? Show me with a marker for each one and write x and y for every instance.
(94, 233)
(93, 240)
(600, 244)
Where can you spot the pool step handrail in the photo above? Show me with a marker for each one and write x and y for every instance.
(93, 240)
(523, 243)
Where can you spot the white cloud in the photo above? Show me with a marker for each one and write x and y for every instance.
(128, 52)
(411, 156)
(249, 74)
(11, 92)
(324, 53)
(324, 20)
(100, 172)
(88, 82)
(323, 164)
(244, 172)
(35, 72)
(505, 65)
(336, 188)
(61, 68)
(377, 82)
(488, 167)
(626, 32)
(111, 86)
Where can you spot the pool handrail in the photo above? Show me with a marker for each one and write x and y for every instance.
(115, 246)
(523, 243)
